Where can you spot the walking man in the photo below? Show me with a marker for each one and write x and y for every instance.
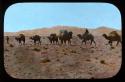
(7, 38)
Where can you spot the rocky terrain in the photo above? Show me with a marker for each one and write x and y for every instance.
(51, 61)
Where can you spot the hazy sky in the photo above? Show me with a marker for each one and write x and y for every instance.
(24, 16)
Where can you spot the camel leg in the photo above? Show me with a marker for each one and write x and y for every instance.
(50, 42)
(7, 41)
(94, 43)
(53, 42)
(23, 42)
(40, 42)
(56, 42)
(69, 42)
(19, 42)
(117, 43)
(91, 42)
(82, 41)
(65, 42)
(61, 41)
(85, 43)
(110, 42)
(35, 42)
(120, 41)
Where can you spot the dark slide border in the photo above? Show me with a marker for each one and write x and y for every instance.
(4, 4)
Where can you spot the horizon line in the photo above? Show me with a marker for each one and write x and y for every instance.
(66, 27)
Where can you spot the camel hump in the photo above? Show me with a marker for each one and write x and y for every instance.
(70, 32)
(113, 33)
(36, 36)
(21, 35)
(54, 34)
(63, 32)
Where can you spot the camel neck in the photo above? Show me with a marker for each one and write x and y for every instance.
(106, 37)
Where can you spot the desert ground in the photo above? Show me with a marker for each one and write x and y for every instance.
(53, 61)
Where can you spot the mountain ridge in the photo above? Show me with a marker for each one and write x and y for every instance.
(55, 29)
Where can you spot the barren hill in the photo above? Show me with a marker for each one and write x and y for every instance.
(56, 29)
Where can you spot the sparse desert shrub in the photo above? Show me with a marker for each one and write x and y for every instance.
(92, 78)
(88, 60)
(90, 73)
(65, 54)
(11, 45)
(6, 50)
(73, 51)
(92, 47)
(119, 56)
(36, 49)
(112, 47)
(45, 60)
(45, 48)
(57, 60)
(92, 51)
(56, 50)
(63, 50)
(96, 58)
(102, 62)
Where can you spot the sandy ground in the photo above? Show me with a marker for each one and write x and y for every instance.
(47, 61)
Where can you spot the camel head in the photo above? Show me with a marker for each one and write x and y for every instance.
(49, 37)
(31, 38)
(21, 35)
(60, 37)
(70, 34)
(17, 38)
(53, 35)
(104, 35)
(79, 35)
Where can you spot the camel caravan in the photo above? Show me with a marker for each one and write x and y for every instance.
(65, 37)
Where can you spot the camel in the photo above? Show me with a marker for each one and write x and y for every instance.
(113, 36)
(36, 38)
(20, 39)
(87, 37)
(65, 36)
(53, 38)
